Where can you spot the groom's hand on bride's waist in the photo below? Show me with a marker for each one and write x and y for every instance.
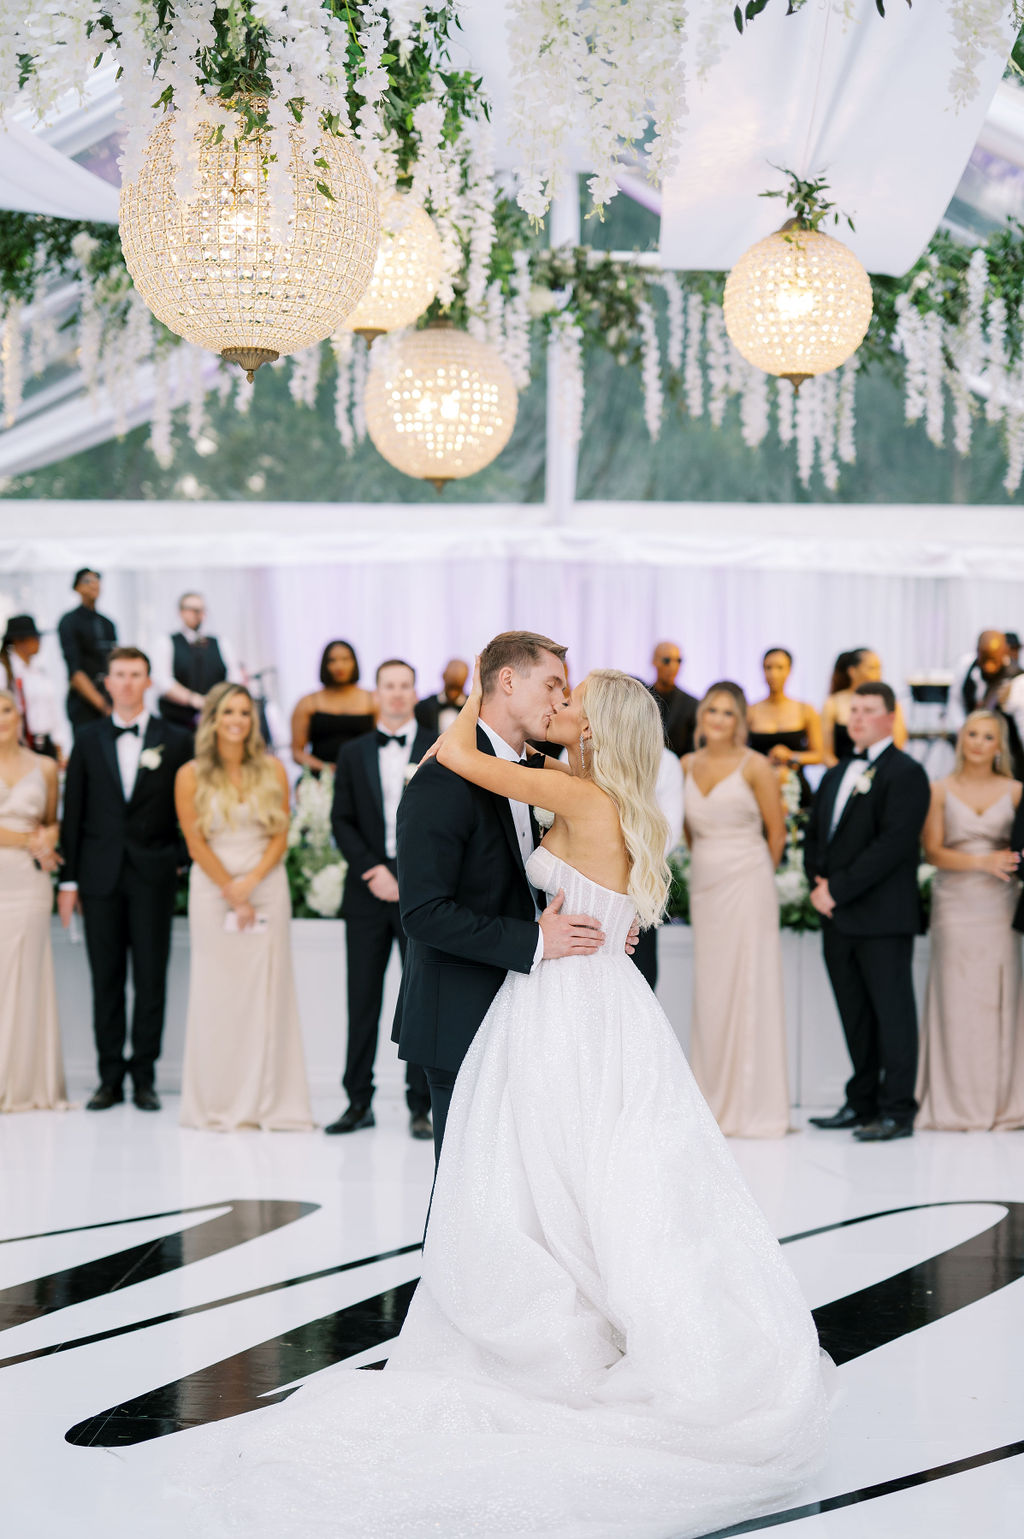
(569, 935)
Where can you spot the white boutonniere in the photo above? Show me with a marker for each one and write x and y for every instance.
(862, 784)
(149, 758)
(543, 817)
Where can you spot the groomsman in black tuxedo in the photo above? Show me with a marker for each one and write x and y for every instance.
(122, 849)
(369, 784)
(467, 905)
(861, 852)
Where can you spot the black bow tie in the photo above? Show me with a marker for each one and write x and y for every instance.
(859, 758)
(133, 731)
(384, 738)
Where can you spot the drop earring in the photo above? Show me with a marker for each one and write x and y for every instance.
(583, 752)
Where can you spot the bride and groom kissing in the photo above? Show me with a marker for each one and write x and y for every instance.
(605, 1338)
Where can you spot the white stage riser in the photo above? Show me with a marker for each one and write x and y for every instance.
(818, 1065)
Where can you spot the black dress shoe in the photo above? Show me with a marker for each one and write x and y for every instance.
(845, 1118)
(420, 1126)
(146, 1098)
(883, 1130)
(104, 1098)
(352, 1120)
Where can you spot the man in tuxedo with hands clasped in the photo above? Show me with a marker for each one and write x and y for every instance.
(369, 784)
(467, 905)
(122, 849)
(861, 852)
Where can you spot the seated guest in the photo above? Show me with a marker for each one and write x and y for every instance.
(736, 832)
(972, 1032)
(786, 731)
(437, 712)
(668, 793)
(323, 722)
(368, 784)
(43, 729)
(861, 853)
(31, 1069)
(187, 664)
(244, 1065)
(678, 709)
(87, 639)
(851, 670)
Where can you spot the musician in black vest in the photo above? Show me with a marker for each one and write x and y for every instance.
(188, 664)
(122, 850)
(467, 907)
(861, 852)
(369, 784)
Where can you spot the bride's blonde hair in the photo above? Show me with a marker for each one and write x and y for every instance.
(623, 759)
(260, 786)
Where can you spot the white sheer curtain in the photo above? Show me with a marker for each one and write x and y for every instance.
(610, 613)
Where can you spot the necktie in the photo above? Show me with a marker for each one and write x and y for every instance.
(133, 731)
(384, 738)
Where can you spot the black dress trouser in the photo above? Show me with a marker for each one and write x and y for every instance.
(645, 955)
(368, 942)
(872, 979)
(134, 920)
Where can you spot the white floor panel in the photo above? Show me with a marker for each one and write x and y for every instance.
(930, 1396)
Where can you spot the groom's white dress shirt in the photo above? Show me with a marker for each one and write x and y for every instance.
(129, 750)
(853, 773)
(520, 817)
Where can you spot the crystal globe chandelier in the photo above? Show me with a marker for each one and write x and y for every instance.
(212, 271)
(439, 404)
(797, 303)
(407, 273)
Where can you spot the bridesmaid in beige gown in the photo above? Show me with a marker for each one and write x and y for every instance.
(971, 1071)
(736, 831)
(31, 1067)
(244, 1065)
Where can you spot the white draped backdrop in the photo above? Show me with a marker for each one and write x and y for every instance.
(609, 580)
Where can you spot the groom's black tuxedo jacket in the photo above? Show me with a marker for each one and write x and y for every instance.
(101, 831)
(466, 907)
(357, 816)
(872, 858)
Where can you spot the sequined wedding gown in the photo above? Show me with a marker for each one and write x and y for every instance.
(606, 1340)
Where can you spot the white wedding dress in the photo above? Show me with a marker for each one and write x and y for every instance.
(606, 1340)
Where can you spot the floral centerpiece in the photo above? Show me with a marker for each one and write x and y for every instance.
(316, 871)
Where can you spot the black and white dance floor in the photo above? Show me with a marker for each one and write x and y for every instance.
(153, 1278)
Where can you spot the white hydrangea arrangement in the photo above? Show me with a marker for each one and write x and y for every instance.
(316, 870)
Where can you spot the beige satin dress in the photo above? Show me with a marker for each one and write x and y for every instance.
(971, 1068)
(244, 1065)
(31, 1066)
(738, 1031)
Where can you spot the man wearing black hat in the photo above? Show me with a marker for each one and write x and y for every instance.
(86, 639)
(31, 687)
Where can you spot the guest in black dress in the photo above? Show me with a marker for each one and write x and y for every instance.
(786, 731)
(336, 714)
(861, 666)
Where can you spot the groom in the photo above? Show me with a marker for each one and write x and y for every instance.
(467, 907)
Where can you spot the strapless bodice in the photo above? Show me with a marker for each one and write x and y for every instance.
(22, 805)
(613, 911)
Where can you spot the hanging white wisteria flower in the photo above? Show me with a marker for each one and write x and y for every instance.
(654, 397)
(567, 347)
(11, 352)
(693, 378)
(601, 70)
(846, 425)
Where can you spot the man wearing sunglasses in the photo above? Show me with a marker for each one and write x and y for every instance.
(678, 709)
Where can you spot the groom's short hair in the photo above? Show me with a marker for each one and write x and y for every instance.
(519, 650)
(885, 693)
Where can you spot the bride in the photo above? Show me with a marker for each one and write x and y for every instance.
(606, 1340)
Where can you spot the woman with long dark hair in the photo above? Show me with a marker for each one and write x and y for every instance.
(334, 714)
(243, 1039)
(860, 666)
